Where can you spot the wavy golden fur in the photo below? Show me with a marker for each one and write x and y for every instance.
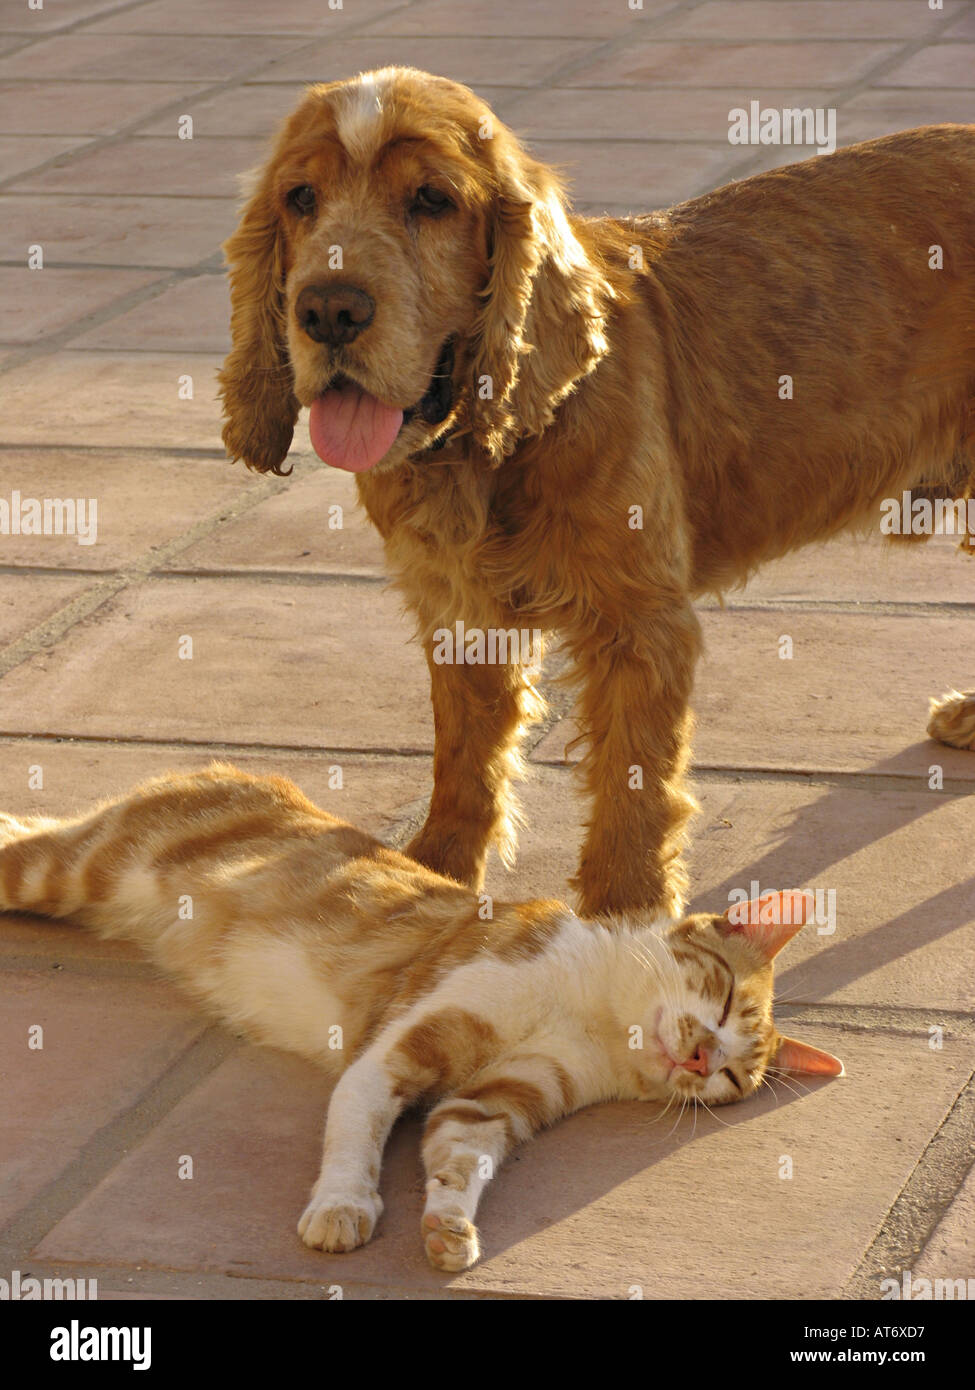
(557, 372)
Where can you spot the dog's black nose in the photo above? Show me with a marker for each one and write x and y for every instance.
(334, 314)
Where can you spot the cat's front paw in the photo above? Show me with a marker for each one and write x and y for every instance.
(338, 1223)
(450, 1238)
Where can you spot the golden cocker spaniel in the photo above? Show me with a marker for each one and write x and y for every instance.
(515, 387)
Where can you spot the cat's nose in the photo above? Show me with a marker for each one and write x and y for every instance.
(698, 1063)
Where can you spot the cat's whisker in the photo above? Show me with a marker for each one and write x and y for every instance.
(680, 1116)
(796, 1087)
(775, 1094)
(727, 1123)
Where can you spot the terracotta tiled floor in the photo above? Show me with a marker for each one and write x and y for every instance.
(814, 772)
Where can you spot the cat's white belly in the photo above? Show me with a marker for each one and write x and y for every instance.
(268, 986)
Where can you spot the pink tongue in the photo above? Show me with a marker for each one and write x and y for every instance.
(351, 429)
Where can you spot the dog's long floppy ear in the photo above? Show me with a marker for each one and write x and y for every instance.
(543, 323)
(256, 384)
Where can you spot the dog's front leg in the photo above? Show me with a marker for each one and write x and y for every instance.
(636, 684)
(478, 714)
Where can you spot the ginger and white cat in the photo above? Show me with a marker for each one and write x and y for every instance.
(306, 931)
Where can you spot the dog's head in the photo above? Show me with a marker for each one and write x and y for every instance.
(405, 269)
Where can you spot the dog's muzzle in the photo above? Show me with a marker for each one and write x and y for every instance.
(435, 404)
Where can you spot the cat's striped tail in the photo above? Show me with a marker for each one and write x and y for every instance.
(32, 867)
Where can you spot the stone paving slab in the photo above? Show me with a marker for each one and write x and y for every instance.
(810, 63)
(180, 168)
(301, 17)
(644, 114)
(120, 669)
(246, 109)
(82, 108)
(34, 303)
(605, 1201)
(497, 61)
(138, 58)
(940, 64)
(184, 492)
(963, 27)
(26, 601)
(877, 112)
(87, 1071)
(126, 400)
(27, 22)
(596, 20)
(296, 530)
(854, 696)
(950, 1253)
(867, 570)
(810, 19)
(640, 176)
(135, 231)
(20, 154)
(192, 315)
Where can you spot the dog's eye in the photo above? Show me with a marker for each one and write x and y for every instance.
(302, 199)
(431, 201)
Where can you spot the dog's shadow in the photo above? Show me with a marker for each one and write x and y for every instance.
(819, 836)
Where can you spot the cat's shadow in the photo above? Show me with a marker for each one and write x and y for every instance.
(581, 1162)
(819, 836)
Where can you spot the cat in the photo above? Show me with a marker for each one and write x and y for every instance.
(310, 935)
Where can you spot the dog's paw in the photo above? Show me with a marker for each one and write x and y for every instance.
(338, 1223)
(449, 1237)
(953, 719)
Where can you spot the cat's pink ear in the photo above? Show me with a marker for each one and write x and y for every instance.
(800, 1056)
(771, 920)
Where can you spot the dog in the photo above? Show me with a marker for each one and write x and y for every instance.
(515, 386)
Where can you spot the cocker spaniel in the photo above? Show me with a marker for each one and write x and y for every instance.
(579, 424)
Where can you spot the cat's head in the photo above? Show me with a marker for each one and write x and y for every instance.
(712, 1036)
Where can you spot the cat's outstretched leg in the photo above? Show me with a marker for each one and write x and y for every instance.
(345, 1203)
(953, 719)
(471, 1132)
